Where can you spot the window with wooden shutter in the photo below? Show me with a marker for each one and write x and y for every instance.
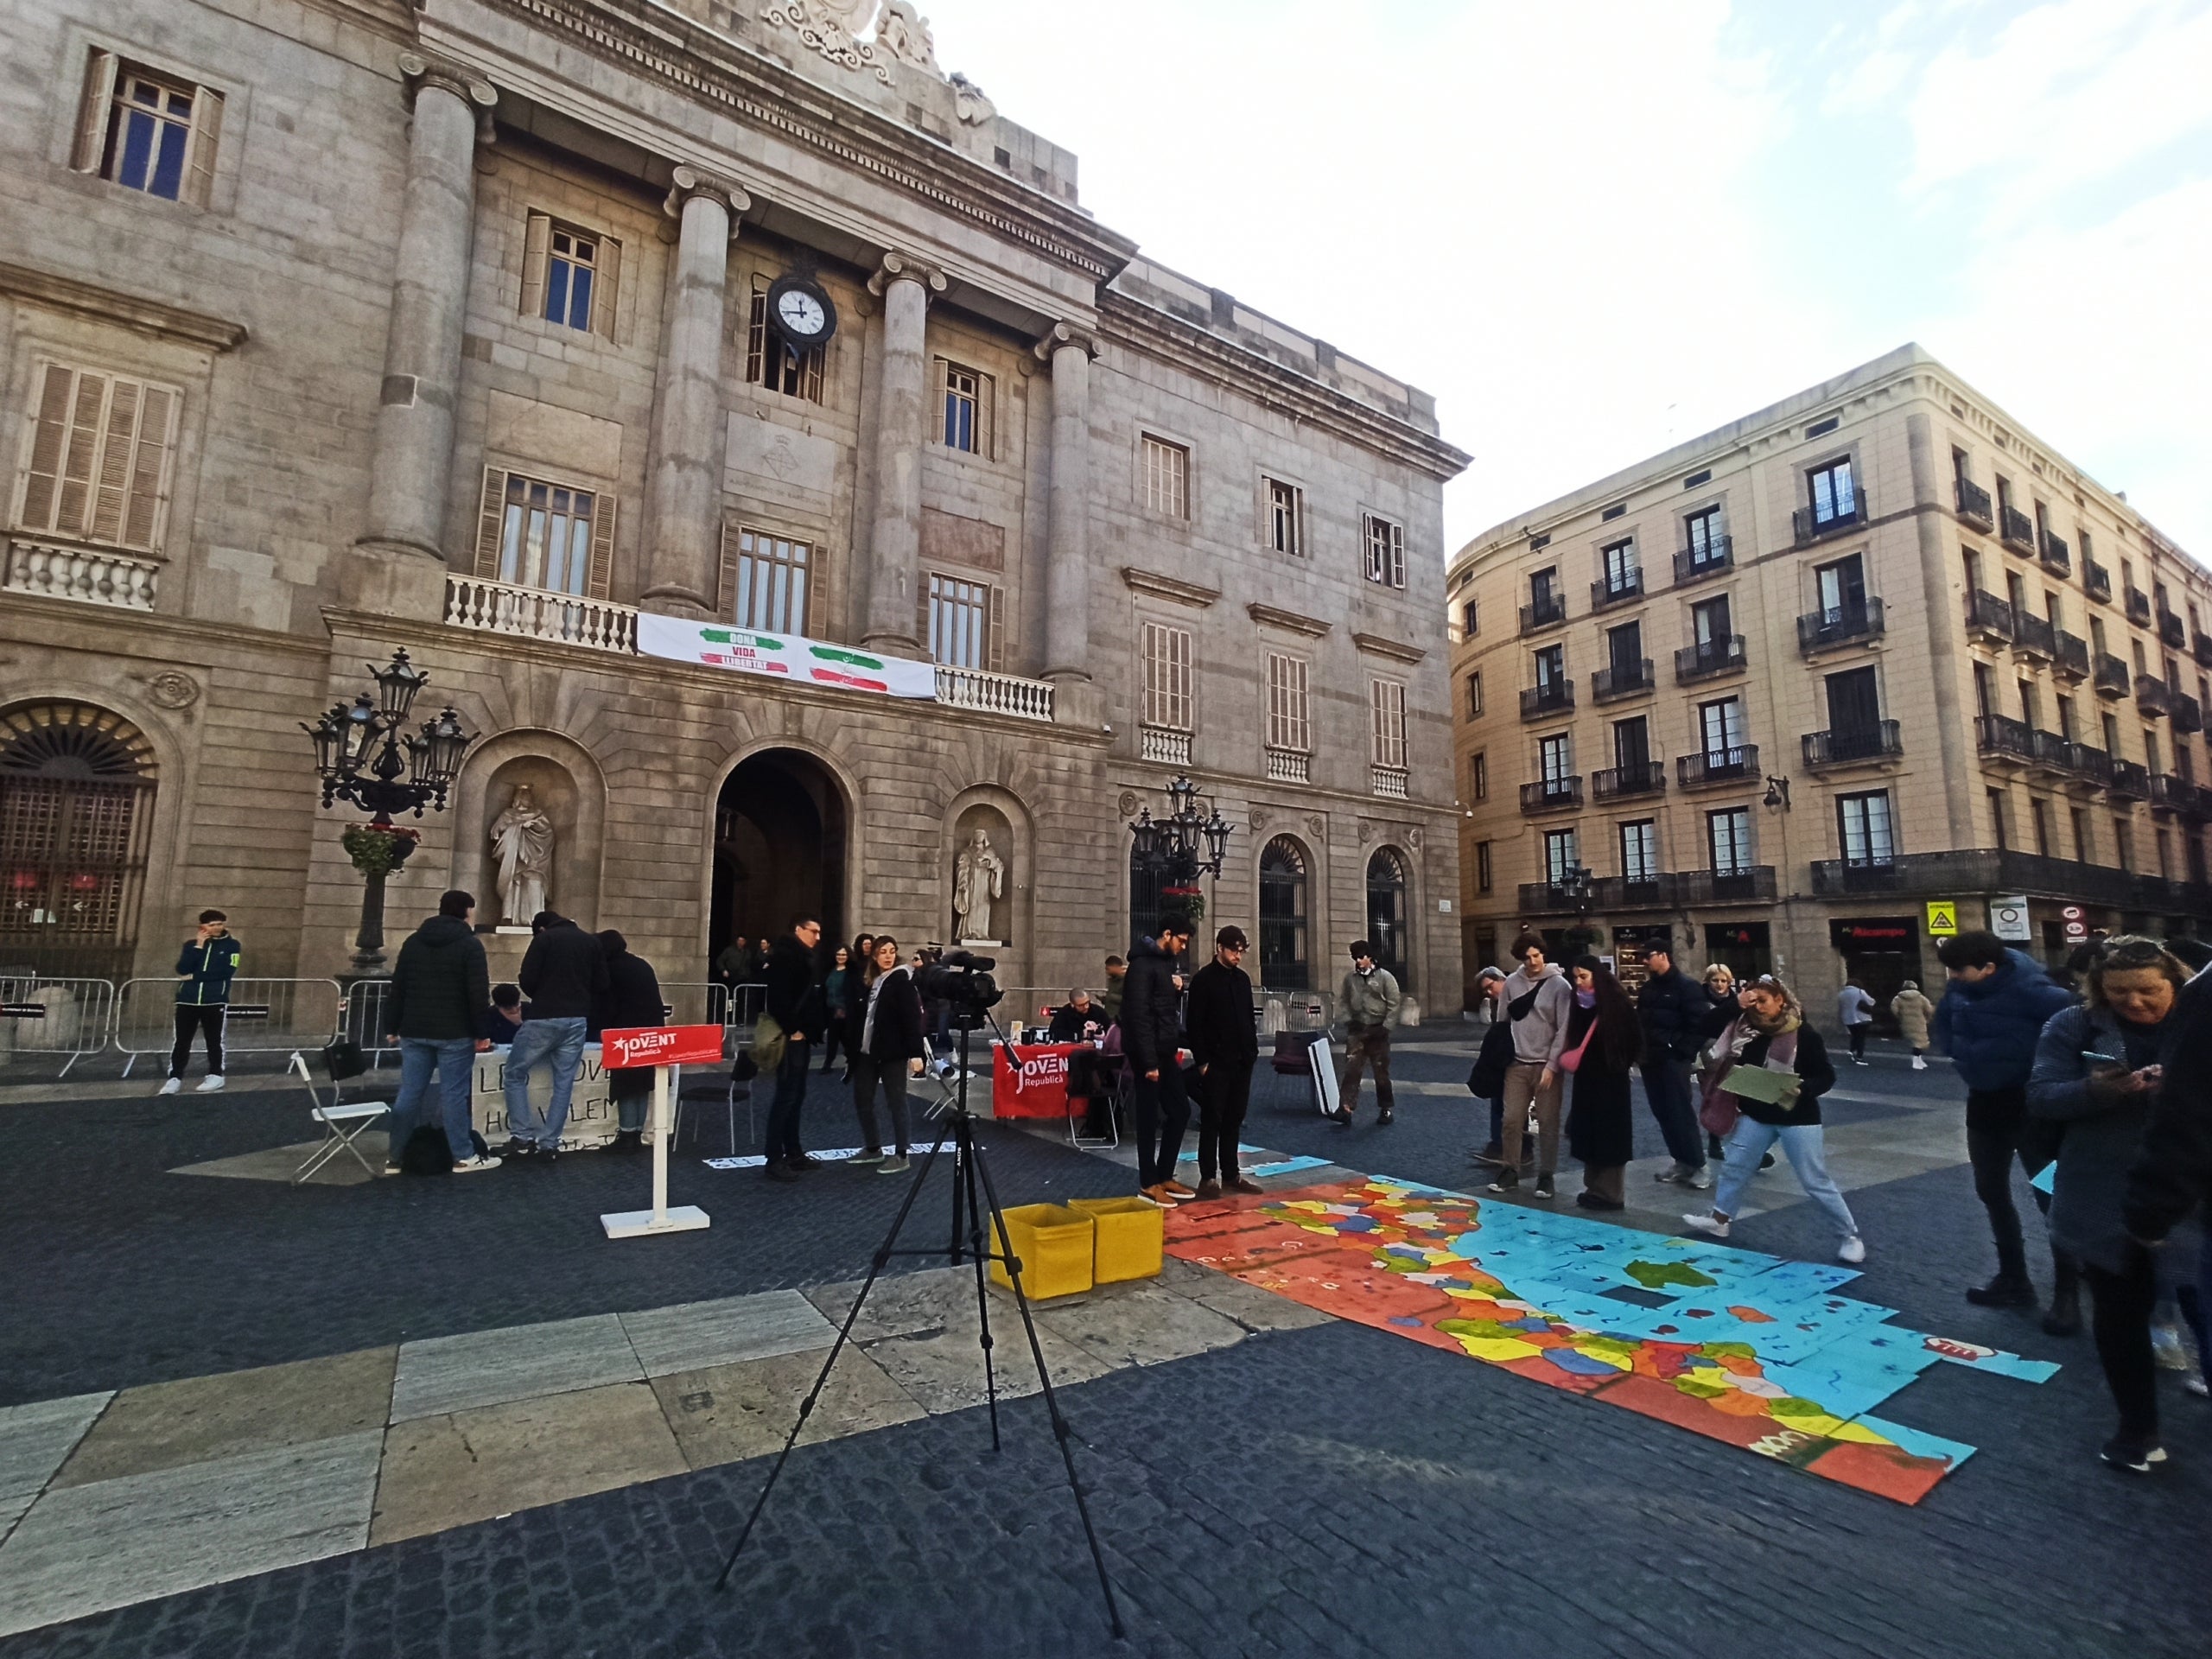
(1286, 525)
(1387, 701)
(1166, 676)
(964, 621)
(572, 277)
(1386, 550)
(771, 363)
(147, 131)
(1288, 726)
(963, 409)
(534, 532)
(96, 459)
(1166, 477)
(537, 243)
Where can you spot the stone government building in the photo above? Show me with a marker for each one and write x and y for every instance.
(335, 326)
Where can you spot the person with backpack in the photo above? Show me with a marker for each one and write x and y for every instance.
(1538, 1002)
(1604, 1040)
(1673, 1009)
(564, 975)
(1991, 1016)
(433, 1011)
(205, 968)
(631, 999)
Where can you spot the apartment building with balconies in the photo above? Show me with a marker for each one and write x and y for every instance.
(1872, 648)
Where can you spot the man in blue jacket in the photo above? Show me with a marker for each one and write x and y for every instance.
(1988, 1021)
(205, 968)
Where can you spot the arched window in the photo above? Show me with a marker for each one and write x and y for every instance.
(1386, 912)
(76, 807)
(1285, 903)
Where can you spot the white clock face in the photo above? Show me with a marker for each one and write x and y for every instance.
(801, 311)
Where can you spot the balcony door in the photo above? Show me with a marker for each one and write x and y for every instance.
(1720, 723)
(1854, 703)
(1624, 653)
(1551, 669)
(1632, 747)
(1841, 590)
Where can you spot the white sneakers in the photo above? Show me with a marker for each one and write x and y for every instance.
(172, 1086)
(1711, 1226)
(210, 1084)
(470, 1166)
(1852, 1251)
(1919, 1063)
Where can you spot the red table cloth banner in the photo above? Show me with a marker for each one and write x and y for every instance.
(1031, 1081)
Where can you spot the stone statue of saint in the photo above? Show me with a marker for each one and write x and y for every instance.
(978, 877)
(522, 840)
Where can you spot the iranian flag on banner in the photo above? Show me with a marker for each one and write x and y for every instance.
(783, 656)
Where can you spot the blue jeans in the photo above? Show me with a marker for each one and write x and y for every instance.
(1666, 1088)
(1802, 1145)
(454, 1061)
(791, 1096)
(561, 1043)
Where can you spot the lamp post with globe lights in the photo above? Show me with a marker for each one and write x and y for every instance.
(362, 756)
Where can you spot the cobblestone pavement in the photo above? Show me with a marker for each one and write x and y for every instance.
(1327, 1490)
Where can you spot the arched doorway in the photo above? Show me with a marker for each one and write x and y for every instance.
(76, 814)
(1284, 905)
(1386, 912)
(779, 847)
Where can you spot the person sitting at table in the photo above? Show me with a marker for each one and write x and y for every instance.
(1077, 1021)
(503, 1018)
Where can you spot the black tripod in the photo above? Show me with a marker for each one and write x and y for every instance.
(969, 1240)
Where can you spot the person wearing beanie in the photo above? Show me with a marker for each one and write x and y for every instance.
(1370, 999)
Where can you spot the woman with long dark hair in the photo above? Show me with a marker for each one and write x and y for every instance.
(1604, 1040)
(886, 1049)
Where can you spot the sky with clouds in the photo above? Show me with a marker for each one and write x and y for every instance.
(1593, 228)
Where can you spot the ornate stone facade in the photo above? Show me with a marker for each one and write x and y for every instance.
(444, 324)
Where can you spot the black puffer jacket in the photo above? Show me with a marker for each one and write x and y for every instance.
(794, 995)
(563, 973)
(1673, 1008)
(439, 986)
(1152, 1018)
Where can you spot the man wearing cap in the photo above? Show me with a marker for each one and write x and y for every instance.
(1369, 998)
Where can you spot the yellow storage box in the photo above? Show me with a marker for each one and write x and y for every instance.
(1131, 1237)
(1055, 1246)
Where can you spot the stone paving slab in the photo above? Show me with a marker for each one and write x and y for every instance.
(491, 1368)
(154, 1535)
(696, 1336)
(1134, 1324)
(455, 1468)
(36, 1439)
(167, 1425)
(729, 1412)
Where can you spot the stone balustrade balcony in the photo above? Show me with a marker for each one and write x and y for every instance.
(91, 575)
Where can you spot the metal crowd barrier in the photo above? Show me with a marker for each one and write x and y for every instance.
(38, 1015)
(1287, 1010)
(264, 1016)
(698, 1002)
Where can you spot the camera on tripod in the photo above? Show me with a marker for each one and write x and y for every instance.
(961, 980)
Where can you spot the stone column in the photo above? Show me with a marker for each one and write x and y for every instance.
(1067, 582)
(894, 548)
(399, 564)
(683, 554)
(1952, 676)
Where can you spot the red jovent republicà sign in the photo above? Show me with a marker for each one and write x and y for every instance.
(661, 1045)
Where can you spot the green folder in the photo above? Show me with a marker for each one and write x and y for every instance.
(1757, 1083)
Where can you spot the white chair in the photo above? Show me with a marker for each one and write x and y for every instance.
(342, 1123)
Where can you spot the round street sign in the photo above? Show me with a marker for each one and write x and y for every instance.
(2077, 930)
(2072, 912)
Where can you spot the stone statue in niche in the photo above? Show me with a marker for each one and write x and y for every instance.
(904, 33)
(978, 878)
(522, 840)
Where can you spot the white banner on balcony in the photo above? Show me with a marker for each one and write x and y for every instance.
(783, 656)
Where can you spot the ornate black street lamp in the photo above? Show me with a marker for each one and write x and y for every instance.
(361, 757)
(1181, 847)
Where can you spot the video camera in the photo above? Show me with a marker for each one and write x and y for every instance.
(961, 980)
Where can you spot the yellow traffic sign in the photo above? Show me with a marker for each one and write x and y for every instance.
(1942, 917)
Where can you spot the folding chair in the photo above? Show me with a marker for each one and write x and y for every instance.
(703, 1094)
(1109, 1076)
(342, 1124)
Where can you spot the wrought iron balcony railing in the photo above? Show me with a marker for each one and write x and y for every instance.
(1712, 768)
(1843, 624)
(1847, 745)
(1709, 658)
(1973, 505)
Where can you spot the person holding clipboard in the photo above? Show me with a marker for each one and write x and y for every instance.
(1763, 1080)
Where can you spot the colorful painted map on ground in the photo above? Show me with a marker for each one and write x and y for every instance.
(1729, 1344)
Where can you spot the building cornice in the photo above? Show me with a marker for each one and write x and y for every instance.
(1376, 645)
(1291, 621)
(1183, 593)
(1140, 328)
(152, 628)
(133, 311)
(699, 63)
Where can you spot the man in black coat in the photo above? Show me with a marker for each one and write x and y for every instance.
(794, 1001)
(1672, 1007)
(1152, 1035)
(1225, 1043)
(632, 1001)
(441, 986)
(564, 975)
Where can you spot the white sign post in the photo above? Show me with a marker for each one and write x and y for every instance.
(659, 1046)
(2008, 919)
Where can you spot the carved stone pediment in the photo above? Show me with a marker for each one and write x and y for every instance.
(1274, 616)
